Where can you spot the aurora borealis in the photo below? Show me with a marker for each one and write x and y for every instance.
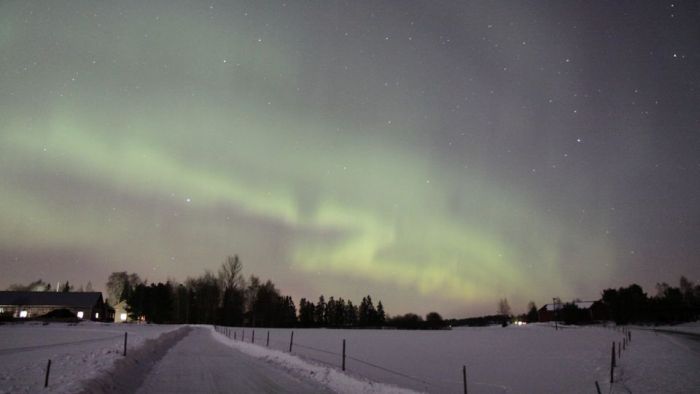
(434, 155)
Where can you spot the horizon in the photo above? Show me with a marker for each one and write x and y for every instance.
(438, 157)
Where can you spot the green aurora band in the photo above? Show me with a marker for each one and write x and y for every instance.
(360, 196)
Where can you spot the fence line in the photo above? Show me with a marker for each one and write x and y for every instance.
(436, 382)
(423, 381)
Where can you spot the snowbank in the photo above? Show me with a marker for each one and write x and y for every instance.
(77, 352)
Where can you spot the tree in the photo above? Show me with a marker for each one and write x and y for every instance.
(88, 287)
(532, 315)
(120, 284)
(289, 312)
(572, 314)
(67, 288)
(381, 315)
(263, 308)
(306, 313)
(204, 298)
(37, 285)
(409, 321)
(351, 314)
(367, 313)
(627, 304)
(433, 321)
(230, 273)
(233, 296)
(504, 308)
(320, 312)
(251, 293)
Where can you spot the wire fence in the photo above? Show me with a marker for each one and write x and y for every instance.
(431, 384)
(316, 354)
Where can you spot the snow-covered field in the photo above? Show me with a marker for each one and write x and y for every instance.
(77, 352)
(527, 359)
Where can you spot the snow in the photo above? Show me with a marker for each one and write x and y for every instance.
(200, 363)
(77, 352)
(326, 376)
(531, 358)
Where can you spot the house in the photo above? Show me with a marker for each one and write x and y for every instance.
(35, 304)
(121, 315)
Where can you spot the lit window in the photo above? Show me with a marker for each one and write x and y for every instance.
(80, 314)
(97, 315)
(123, 316)
(23, 314)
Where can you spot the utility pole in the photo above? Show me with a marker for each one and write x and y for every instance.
(556, 313)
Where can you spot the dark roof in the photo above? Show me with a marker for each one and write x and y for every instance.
(81, 299)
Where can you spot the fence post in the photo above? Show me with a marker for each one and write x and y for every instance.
(234, 335)
(48, 370)
(253, 340)
(597, 387)
(612, 363)
(619, 350)
(464, 377)
(267, 342)
(126, 334)
(343, 354)
(629, 336)
(291, 341)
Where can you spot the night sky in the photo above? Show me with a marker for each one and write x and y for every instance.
(436, 155)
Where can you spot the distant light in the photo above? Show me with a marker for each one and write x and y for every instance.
(80, 314)
(122, 316)
(97, 315)
(23, 314)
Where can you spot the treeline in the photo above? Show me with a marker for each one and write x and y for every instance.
(40, 285)
(670, 304)
(339, 313)
(226, 298)
(631, 304)
(480, 321)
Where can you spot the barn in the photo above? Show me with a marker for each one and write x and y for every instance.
(551, 312)
(37, 304)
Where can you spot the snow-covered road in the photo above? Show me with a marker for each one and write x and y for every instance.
(200, 364)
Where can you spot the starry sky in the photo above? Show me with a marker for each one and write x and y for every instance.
(437, 155)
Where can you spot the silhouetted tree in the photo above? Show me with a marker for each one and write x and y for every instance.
(351, 314)
(504, 308)
(67, 288)
(409, 321)
(368, 314)
(433, 321)
(381, 315)
(306, 313)
(204, 298)
(233, 294)
(37, 285)
(320, 312)
(120, 284)
(532, 315)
